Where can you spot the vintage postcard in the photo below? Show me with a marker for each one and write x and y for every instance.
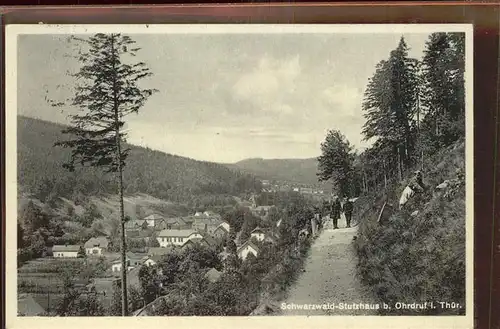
(239, 175)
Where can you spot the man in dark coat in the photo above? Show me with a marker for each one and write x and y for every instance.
(348, 208)
(336, 207)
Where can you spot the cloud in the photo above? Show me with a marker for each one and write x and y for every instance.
(345, 100)
(267, 85)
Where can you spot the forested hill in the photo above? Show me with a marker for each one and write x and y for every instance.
(292, 170)
(167, 176)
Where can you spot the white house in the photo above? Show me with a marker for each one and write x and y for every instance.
(65, 251)
(96, 246)
(221, 230)
(152, 219)
(116, 266)
(176, 237)
(149, 261)
(246, 249)
(258, 234)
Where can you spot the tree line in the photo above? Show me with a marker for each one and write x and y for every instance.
(412, 108)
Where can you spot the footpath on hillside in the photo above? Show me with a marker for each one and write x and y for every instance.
(329, 278)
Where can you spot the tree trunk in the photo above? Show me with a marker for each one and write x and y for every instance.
(120, 193)
(385, 179)
(400, 169)
(422, 160)
(365, 183)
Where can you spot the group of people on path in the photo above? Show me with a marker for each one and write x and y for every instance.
(337, 207)
(334, 208)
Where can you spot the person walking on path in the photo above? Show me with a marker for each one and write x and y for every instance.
(348, 208)
(336, 208)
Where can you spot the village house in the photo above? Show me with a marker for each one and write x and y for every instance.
(136, 259)
(191, 243)
(65, 251)
(96, 246)
(140, 234)
(258, 233)
(206, 225)
(133, 261)
(247, 248)
(222, 230)
(116, 266)
(149, 261)
(205, 241)
(136, 224)
(212, 214)
(177, 223)
(176, 237)
(152, 219)
(160, 224)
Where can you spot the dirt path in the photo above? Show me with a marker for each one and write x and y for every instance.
(329, 277)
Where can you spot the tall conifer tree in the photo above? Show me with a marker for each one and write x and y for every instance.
(107, 91)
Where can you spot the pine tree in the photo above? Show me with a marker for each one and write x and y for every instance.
(107, 91)
(336, 161)
(444, 97)
(390, 103)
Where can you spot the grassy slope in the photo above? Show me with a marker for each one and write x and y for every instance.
(422, 258)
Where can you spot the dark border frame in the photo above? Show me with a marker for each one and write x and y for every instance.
(484, 16)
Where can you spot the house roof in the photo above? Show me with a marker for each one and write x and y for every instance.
(154, 216)
(195, 240)
(27, 306)
(69, 247)
(134, 223)
(133, 256)
(213, 275)
(211, 213)
(190, 242)
(210, 241)
(175, 220)
(247, 243)
(175, 233)
(100, 241)
(225, 225)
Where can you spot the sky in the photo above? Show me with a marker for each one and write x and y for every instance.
(228, 97)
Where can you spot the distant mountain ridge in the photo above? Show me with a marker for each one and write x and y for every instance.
(302, 171)
(156, 173)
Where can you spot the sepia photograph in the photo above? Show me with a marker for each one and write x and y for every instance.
(239, 170)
